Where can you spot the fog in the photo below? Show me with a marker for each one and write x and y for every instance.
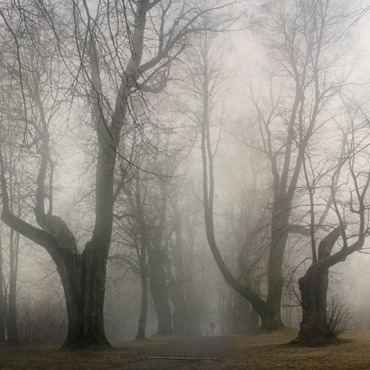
(168, 166)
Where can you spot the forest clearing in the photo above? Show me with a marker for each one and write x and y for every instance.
(266, 351)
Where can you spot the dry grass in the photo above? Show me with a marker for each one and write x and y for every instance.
(271, 351)
(267, 351)
(51, 358)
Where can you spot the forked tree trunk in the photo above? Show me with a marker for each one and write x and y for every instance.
(83, 280)
(82, 275)
(314, 285)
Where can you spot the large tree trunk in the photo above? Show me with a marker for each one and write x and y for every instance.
(2, 296)
(193, 296)
(314, 285)
(157, 272)
(177, 291)
(255, 318)
(83, 279)
(313, 327)
(82, 275)
(194, 306)
(179, 316)
(12, 321)
(194, 316)
(144, 303)
(159, 292)
(279, 237)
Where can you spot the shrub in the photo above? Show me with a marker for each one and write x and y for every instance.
(41, 320)
(339, 317)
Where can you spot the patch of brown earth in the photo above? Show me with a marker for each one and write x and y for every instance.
(206, 353)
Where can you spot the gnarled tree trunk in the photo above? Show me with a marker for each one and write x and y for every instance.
(313, 287)
(314, 284)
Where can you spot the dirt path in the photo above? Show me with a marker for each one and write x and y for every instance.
(207, 353)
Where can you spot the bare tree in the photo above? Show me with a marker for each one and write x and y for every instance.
(205, 82)
(118, 50)
(352, 227)
(304, 47)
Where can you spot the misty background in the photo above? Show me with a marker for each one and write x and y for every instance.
(243, 76)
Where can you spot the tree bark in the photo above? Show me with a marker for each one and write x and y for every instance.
(83, 279)
(193, 295)
(2, 296)
(313, 286)
(279, 237)
(159, 292)
(82, 275)
(144, 303)
(157, 272)
(179, 317)
(255, 319)
(177, 291)
(12, 321)
(313, 327)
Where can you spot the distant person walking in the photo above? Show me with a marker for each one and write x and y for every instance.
(212, 326)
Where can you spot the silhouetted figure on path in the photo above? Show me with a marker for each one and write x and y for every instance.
(212, 326)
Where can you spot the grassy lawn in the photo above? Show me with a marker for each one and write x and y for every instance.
(271, 351)
(267, 351)
(51, 358)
